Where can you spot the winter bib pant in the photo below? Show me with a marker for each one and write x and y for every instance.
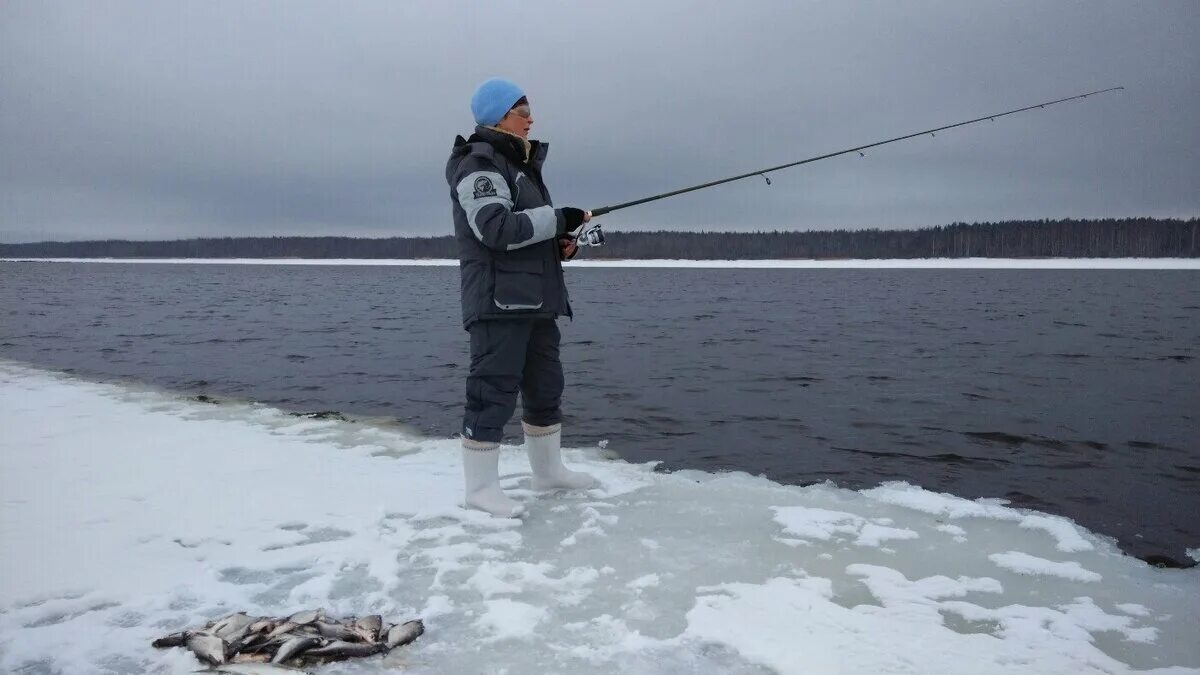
(510, 356)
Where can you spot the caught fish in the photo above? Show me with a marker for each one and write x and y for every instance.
(307, 629)
(249, 645)
(306, 616)
(294, 647)
(281, 629)
(232, 627)
(337, 631)
(259, 644)
(247, 642)
(341, 649)
(405, 633)
(370, 626)
(173, 640)
(254, 669)
(207, 647)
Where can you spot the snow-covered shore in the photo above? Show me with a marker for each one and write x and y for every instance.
(127, 513)
(902, 263)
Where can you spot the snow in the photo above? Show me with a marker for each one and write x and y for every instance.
(506, 619)
(127, 513)
(822, 524)
(1068, 536)
(898, 263)
(645, 581)
(1023, 563)
(959, 534)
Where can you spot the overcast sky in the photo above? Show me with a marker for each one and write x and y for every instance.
(178, 119)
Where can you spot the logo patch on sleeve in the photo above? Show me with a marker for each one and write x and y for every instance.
(484, 187)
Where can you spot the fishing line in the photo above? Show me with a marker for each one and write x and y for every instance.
(596, 237)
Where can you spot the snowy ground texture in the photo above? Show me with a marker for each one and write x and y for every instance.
(129, 513)
(900, 263)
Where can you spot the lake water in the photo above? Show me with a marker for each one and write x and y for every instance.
(1070, 391)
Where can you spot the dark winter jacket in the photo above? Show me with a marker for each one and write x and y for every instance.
(506, 228)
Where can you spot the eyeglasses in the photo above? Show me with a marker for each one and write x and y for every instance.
(521, 110)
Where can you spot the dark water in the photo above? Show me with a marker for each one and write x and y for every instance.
(1073, 392)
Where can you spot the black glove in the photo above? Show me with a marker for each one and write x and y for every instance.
(572, 218)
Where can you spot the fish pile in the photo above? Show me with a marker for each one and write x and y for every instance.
(305, 638)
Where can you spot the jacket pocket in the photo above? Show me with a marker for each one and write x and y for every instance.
(518, 284)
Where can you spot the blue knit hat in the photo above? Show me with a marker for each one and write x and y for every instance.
(493, 99)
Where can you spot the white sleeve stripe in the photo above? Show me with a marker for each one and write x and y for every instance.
(479, 189)
(545, 224)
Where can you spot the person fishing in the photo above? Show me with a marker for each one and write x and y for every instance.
(511, 244)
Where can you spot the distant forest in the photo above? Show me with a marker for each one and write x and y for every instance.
(1110, 238)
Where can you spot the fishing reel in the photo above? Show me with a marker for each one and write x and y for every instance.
(592, 236)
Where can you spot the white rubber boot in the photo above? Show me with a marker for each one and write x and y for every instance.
(544, 445)
(481, 476)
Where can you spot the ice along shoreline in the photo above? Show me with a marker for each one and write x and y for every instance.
(185, 510)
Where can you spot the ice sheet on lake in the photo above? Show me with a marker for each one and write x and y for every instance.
(128, 513)
(897, 263)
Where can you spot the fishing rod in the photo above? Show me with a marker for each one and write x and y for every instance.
(593, 236)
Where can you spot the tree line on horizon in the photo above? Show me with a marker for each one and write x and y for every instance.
(1103, 238)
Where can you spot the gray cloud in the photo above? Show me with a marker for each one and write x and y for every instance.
(150, 120)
